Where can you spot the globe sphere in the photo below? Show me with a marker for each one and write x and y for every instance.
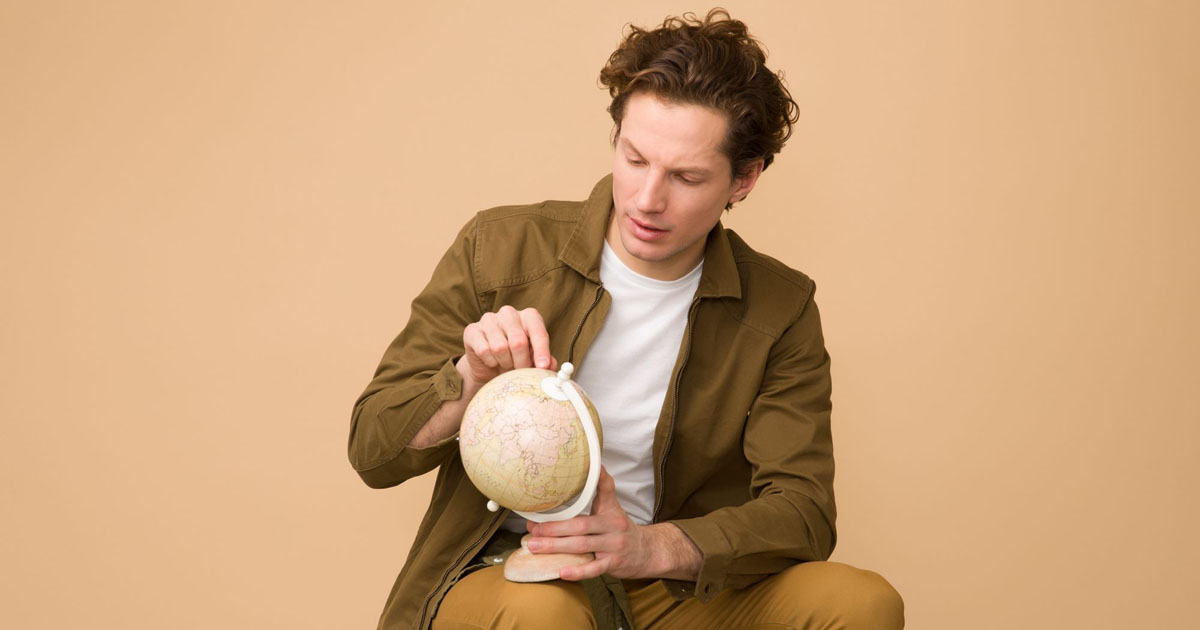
(522, 447)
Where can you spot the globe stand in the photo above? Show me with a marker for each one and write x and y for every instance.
(523, 565)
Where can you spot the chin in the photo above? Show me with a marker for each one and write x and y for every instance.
(650, 255)
(639, 249)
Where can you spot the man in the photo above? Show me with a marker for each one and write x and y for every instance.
(705, 360)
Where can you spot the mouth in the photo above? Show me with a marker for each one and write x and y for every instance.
(644, 231)
(646, 226)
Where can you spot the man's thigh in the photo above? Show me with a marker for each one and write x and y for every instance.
(808, 596)
(484, 599)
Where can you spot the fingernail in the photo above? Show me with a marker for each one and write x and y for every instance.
(534, 545)
(542, 363)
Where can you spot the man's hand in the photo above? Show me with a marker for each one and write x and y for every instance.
(502, 341)
(497, 343)
(623, 549)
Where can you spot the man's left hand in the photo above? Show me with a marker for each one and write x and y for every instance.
(623, 548)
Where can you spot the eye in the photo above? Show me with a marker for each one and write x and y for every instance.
(635, 162)
(689, 182)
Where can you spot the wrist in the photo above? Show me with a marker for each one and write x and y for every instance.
(674, 555)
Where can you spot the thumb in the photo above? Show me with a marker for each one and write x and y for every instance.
(606, 494)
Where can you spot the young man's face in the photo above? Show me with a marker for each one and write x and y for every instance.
(670, 184)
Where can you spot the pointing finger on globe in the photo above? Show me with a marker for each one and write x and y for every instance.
(539, 339)
(505, 340)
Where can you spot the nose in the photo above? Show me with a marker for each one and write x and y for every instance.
(652, 197)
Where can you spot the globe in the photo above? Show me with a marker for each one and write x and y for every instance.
(523, 443)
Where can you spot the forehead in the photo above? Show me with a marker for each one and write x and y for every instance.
(675, 134)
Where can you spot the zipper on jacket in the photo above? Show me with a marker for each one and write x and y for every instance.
(578, 331)
(662, 466)
(487, 533)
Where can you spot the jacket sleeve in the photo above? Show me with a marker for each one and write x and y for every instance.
(790, 517)
(417, 374)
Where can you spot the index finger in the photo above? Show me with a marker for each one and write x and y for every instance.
(578, 526)
(539, 339)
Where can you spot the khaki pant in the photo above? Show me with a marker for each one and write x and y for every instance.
(808, 596)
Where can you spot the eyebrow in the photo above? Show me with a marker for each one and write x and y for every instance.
(686, 170)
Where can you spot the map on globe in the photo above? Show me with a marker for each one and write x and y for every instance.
(521, 447)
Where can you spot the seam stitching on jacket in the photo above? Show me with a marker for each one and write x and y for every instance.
(752, 326)
(476, 265)
(763, 329)
(542, 215)
(523, 278)
(787, 277)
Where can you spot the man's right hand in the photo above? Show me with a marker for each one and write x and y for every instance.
(497, 343)
(502, 341)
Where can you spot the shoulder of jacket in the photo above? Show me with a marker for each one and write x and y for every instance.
(774, 295)
(550, 211)
(757, 266)
(517, 242)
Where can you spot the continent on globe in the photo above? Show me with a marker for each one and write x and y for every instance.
(522, 447)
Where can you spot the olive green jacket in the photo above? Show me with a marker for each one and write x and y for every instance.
(743, 455)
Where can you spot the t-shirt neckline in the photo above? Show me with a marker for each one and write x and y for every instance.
(610, 256)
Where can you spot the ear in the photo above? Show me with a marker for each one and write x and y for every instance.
(743, 184)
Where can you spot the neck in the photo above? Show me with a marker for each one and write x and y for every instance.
(672, 268)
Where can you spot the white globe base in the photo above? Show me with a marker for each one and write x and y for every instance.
(524, 566)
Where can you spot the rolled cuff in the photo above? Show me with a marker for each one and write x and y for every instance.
(714, 567)
(408, 413)
(445, 384)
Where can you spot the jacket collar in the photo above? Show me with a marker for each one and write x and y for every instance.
(586, 243)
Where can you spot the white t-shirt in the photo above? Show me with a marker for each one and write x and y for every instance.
(627, 371)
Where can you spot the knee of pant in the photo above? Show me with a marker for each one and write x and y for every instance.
(877, 603)
(543, 605)
(857, 597)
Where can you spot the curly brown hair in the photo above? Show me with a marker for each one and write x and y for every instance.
(712, 62)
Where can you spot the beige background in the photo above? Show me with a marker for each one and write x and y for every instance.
(215, 216)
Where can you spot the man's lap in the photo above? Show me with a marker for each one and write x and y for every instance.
(811, 595)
